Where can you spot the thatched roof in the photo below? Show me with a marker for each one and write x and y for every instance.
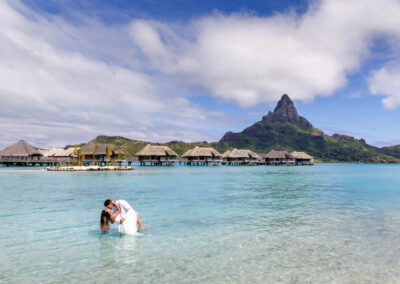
(44, 152)
(69, 151)
(152, 150)
(301, 155)
(202, 152)
(21, 148)
(52, 151)
(61, 152)
(278, 155)
(101, 148)
(227, 154)
(240, 153)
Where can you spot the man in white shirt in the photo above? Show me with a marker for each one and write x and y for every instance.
(126, 210)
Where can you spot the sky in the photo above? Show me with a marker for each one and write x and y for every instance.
(192, 70)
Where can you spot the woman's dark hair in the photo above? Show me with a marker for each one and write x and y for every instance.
(105, 221)
(107, 202)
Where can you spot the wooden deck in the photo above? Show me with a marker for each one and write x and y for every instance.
(29, 161)
(159, 161)
(51, 161)
(54, 161)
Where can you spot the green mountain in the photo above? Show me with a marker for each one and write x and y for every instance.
(393, 151)
(131, 147)
(285, 129)
(282, 129)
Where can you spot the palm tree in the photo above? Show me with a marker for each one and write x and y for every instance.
(120, 156)
(79, 156)
(94, 154)
(109, 149)
(76, 152)
(83, 157)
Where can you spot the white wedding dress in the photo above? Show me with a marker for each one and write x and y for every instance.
(129, 226)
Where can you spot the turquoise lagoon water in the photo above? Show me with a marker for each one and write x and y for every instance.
(322, 224)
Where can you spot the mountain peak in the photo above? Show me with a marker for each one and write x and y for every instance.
(285, 111)
(285, 107)
(285, 129)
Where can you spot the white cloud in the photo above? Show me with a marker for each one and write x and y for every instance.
(251, 59)
(68, 82)
(386, 82)
(49, 93)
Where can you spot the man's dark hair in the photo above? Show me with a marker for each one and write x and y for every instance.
(107, 202)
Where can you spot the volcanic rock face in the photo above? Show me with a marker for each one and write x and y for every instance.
(347, 138)
(285, 111)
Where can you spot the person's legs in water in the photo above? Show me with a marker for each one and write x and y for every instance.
(140, 222)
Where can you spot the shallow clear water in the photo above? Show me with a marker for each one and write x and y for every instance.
(321, 224)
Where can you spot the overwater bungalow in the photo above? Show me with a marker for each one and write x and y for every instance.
(302, 158)
(51, 152)
(61, 155)
(240, 157)
(68, 153)
(278, 158)
(99, 153)
(156, 156)
(44, 152)
(21, 154)
(201, 156)
(261, 158)
(55, 152)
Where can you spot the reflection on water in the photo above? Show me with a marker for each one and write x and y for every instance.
(118, 249)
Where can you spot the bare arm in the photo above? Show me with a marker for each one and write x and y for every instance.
(115, 214)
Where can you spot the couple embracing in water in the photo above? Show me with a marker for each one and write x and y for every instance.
(121, 212)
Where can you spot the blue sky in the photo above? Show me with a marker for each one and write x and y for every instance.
(112, 11)
(192, 70)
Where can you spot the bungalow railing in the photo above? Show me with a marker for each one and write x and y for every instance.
(241, 160)
(279, 161)
(34, 159)
(158, 159)
(99, 160)
(202, 159)
(168, 159)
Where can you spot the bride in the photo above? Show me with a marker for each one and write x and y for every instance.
(121, 212)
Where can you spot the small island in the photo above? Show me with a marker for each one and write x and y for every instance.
(89, 168)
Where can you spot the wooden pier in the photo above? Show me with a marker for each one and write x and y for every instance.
(28, 161)
(50, 161)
